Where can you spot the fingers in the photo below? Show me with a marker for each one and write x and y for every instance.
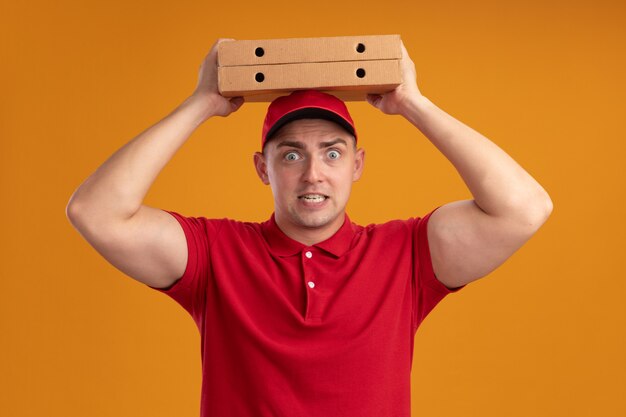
(220, 40)
(405, 53)
(213, 52)
(236, 103)
(374, 99)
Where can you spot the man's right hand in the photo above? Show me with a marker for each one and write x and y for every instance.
(206, 91)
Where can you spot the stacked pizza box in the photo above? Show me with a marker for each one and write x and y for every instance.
(349, 67)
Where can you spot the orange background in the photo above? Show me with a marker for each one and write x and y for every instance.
(544, 335)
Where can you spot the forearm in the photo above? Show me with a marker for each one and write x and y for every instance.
(499, 185)
(117, 188)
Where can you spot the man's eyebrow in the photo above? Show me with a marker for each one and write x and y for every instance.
(332, 142)
(300, 145)
(292, 144)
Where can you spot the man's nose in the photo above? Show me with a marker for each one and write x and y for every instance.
(314, 170)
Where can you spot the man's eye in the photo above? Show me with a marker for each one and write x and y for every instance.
(292, 156)
(334, 155)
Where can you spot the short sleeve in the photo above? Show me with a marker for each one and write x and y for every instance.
(429, 291)
(190, 289)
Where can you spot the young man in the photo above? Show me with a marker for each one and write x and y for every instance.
(308, 314)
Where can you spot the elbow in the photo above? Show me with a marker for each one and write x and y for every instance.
(529, 211)
(549, 206)
(545, 205)
(75, 211)
(537, 210)
(72, 211)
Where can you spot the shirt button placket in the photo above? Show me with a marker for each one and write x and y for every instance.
(312, 307)
(308, 254)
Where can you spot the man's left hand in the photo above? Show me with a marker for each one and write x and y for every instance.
(396, 101)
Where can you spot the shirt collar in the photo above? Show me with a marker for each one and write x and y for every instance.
(282, 245)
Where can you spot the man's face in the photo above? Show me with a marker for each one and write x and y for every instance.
(310, 165)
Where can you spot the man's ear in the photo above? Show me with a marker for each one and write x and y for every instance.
(359, 162)
(261, 167)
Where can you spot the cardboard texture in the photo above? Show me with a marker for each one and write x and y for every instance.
(365, 76)
(300, 50)
(349, 67)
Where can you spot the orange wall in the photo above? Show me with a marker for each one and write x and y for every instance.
(544, 335)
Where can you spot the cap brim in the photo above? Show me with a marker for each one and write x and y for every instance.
(309, 113)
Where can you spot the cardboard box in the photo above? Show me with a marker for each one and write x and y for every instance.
(265, 82)
(349, 67)
(300, 50)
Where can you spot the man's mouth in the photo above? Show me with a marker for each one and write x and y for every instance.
(313, 198)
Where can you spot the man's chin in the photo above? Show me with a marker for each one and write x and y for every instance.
(314, 221)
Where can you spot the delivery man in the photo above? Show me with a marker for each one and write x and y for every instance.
(308, 313)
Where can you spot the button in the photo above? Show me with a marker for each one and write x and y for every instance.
(308, 254)
(311, 284)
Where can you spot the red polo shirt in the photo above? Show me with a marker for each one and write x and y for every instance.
(294, 330)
